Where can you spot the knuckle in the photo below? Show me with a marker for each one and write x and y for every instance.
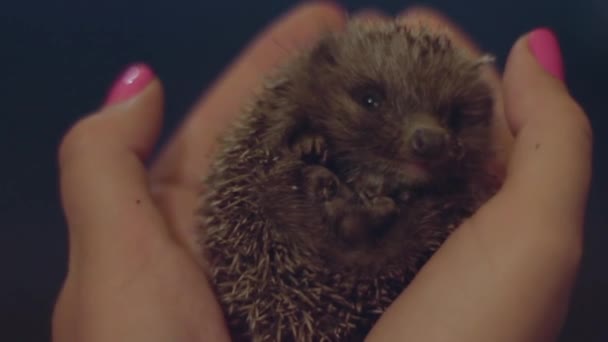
(79, 138)
(581, 125)
(322, 13)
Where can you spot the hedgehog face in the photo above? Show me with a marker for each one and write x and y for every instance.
(396, 106)
(398, 101)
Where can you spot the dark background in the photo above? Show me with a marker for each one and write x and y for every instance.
(58, 57)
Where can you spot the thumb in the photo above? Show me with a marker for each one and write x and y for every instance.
(102, 174)
(550, 168)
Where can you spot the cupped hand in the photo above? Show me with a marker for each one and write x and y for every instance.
(134, 273)
(507, 273)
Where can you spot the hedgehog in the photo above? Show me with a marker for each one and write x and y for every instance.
(341, 179)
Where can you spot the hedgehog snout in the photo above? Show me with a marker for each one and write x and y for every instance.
(429, 142)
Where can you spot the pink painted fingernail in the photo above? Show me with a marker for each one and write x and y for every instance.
(133, 80)
(545, 47)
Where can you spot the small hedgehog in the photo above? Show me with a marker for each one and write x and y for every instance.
(342, 178)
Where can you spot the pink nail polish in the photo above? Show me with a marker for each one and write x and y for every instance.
(545, 47)
(133, 80)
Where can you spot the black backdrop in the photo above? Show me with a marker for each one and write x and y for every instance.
(58, 57)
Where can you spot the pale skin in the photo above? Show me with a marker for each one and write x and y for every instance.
(505, 275)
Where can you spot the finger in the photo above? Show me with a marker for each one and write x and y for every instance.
(178, 171)
(103, 180)
(188, 155)
(503, 138)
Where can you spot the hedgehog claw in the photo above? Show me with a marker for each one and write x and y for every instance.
(311, 148)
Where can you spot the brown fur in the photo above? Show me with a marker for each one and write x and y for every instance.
(280, 268)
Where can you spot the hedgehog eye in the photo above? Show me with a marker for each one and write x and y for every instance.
(370, 101)
(369, 97)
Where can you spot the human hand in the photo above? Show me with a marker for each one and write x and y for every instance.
(131, 258)
(507, 273)
(133, 273)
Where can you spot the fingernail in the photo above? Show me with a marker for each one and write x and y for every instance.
(133, 80)
(545, 47)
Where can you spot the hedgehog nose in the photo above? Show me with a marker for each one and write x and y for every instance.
(429, 142)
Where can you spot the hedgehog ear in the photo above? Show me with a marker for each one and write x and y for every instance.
(324, 53)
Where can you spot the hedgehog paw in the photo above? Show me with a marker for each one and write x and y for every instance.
(320, 183)
(311, 147)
